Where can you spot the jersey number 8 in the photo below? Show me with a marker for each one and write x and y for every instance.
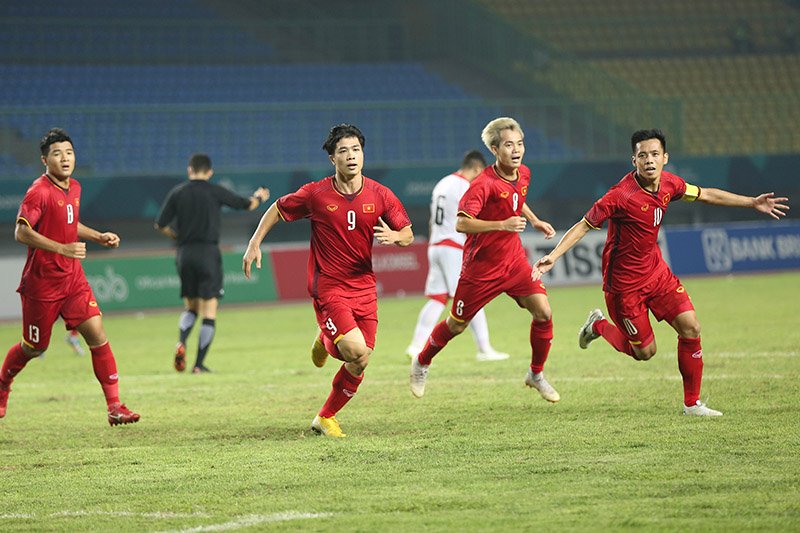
(70, 214)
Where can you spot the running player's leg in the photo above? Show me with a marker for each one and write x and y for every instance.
(439, 285)
(631, 333)
(208, 310)
(209, 290)
(73, 339)
(353, 333)
(469, 298)
(532, 295)
(671, 302)
(81, 311)
(426, 321)
(185, 324)
(190, 276)
(37, 324)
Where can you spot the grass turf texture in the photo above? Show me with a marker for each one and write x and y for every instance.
(232, 450)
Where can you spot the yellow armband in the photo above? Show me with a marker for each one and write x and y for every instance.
(692, 192)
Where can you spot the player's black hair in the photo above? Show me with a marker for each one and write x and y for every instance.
(473, 158)
(643, 135)
(55, 135)
(200, 162)
(338, 133)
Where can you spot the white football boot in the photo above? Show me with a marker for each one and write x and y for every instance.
(537, 381)
(586, 335)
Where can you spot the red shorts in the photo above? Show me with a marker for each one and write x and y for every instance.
(472, 295)
(664, 296)
(39, 316)
(340, 314)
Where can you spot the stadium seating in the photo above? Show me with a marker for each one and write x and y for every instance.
(605, 28)
(744, 89)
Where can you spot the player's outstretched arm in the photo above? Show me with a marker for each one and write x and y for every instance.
(570, 239)
(765, 203)
(387, 235)
(537, 223)
(253, 252)
(465, 224)
(28, 236)
(106, 238)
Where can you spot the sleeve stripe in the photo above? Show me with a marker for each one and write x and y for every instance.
(23, 219)
(280, 214)
(464, 213)
(589, 224)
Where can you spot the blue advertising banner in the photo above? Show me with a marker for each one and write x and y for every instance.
(726, 248)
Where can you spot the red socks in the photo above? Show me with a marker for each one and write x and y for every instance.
(14, 362)
(613, 335)
(344, 387)
(105, 370)
(690, 363)
(541, 339)
(438, 339)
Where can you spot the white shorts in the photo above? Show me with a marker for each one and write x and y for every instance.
(444, 268)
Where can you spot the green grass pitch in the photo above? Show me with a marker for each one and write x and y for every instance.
(480, 452)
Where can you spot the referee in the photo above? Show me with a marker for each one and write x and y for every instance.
(191, 216)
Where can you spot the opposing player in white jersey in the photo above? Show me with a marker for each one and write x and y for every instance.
(445, 252)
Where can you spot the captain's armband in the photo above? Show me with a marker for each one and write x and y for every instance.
(692, 193)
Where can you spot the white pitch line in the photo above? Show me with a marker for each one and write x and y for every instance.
(737, 355)
(62, 514)
(129, 513)
(253, 520)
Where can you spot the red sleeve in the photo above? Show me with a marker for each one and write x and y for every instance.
(679, 186)
(473, 200)
(394, 214)
(296, 205)
(32, 207)
(602, 210)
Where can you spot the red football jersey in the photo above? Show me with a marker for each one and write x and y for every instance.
(488, 256)
(54, 213)
(341, 232)
(631, 255)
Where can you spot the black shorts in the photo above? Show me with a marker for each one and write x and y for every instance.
(200, 269)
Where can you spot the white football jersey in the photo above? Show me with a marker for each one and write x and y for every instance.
(444, 209)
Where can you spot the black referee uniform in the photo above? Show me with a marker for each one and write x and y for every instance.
(193, 209)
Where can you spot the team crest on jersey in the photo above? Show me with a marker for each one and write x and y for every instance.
(504, 194)
(368, 208)
(666, 198)
(645, 207)
(332, 207)
(61, 203)
(525, 189)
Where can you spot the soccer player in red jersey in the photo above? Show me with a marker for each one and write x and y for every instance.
(53, 283)
(492, 212)
(347, 210)
(635, 276)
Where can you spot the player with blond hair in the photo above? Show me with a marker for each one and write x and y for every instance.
(492, 213)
